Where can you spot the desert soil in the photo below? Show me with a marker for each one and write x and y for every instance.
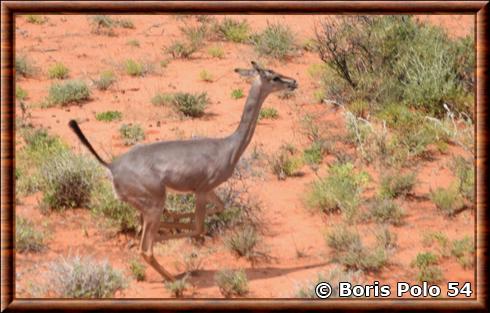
(292, 235)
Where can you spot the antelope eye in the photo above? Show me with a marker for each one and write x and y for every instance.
(276, 79)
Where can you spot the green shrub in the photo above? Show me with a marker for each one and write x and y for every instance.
(36, 19)
(20, 93)
(385, 238)
(68, 181)
(463, 250)
(58, 71)
(314, 153)
(396, 59)
(191, 104)
(192, 262)
(243, 242)
(233, 30)
(182, 50)
(386, 211)
(23, 66)
(341, 239)
(83, 277)
(276, 41)
(105, 80)
(237, 94)
(428, 270)
(441, 239)
(177, 287)
(125, 23)
(102, 25)
(465, 173)
(268, 113)
(108, 116)
(216, 52)
(118, 214)
(206, 76)
(232, 283)
(134, 68)
(394, 184)
(72, 91)
(27, 238)
(448, 201)
(334, 277)
(137, 270)
(286, 163)
(131, 134)
(340, 190)
(161, 99)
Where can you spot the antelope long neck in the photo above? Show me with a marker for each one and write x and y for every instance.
(243, 134)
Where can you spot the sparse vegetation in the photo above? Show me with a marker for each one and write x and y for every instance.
(27, 237)
(162, 99)
(334, 277)
(137, 270)
(447, 200)
(23, 66)
(216, 52)
(465, 173)
(237, 94)
(20, 93)
(394, 185)
(83, 277)
(340, 190)
(72, 91)
(181, 50)
(268, 114)
(386, 211)
(233, 30)
(36, 19)
(426, 262)
(313, 155)
(108, 116)
(286, 162)
(243, 242)
(192, 262)
(177, 287)
(232, 283)
(463, 250)
(106, 79)
(192, 105)
(125, 23)
(61, 173)
(131, 134)
(133, 43)
(134, 68)
(276, 41)
(204, 75)
(58, 71)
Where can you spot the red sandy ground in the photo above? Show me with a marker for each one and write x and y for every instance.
(290, 227)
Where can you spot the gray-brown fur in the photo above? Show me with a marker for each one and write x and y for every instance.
(142, 175)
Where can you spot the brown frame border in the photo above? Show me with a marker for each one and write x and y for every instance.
(9, 8)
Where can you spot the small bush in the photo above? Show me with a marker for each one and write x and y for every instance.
(268, 114)
(27, 238)
(243, 242)
(131, 134)
(105, 80)
(68, 181)
(385, 238)
(118, 214)
(181, 50)
(340, 190)
(23, 66)
(73, 91)
(465, 173)
(58, 71)
(192, 262)
(125, 23)
(314, 153)
(341, 239)
(134, 68)
(20, 93)
(286, 163)
(276, 41)
(237, 94)
(192, 105)
(232, 283)
(386, 211)
(206, 76)
(233, 30)
(177, 287)
(463, 250)
(83, 277)
(162, 99)
(394, 185)
(108, 116)
(334, 277)
(36, 19)
(426, 262)
(442, 241)
(216, 52)
(137, 270)
(102, 25)
(133, 43)
(448, 201)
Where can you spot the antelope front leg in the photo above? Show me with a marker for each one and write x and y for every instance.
(213, 198)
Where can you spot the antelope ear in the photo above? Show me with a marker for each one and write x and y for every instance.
(256, 66)
(246, 72)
